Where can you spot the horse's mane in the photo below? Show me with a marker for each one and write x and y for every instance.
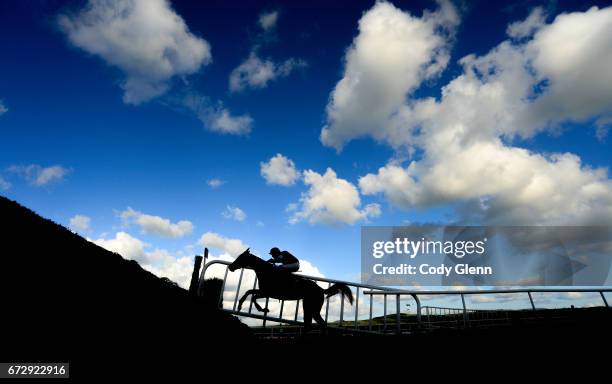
(257, 259)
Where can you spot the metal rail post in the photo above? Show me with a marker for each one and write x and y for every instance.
(531, 301)
(341, 308)
(266, 312)
(370, 319)
(280, 315)
(603, 297)
(327, 305)
(356, 307)
(297, 309)
(385, 313)
(418, 303)
(465, 315)
(238, 289)
(398, 314)
(201, 279)
(193, 285)
(222, 289)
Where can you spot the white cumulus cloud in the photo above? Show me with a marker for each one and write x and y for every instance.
(157, 261)
(279, 170)
(571, 55)
(215, 182)
(124, 244)
(221, 120)
(255, 72)
(234, 213)
(145, 39)
(38, 175)
(602, 127)
(331, 200)
(515, 91)
(392, 54)
(268, 20)
(233, 247)
(527, 27)
(216, 117)
(80, 223)
(156, 225)
(178, 267)
(4, 184)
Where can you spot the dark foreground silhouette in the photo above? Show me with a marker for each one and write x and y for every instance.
(66, 299)
(285, 286)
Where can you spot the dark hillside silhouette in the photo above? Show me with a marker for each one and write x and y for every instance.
(66, 299)
(63, 293)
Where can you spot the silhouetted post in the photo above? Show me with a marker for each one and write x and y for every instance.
(193, 286)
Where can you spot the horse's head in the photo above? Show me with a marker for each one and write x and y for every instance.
(242, 261)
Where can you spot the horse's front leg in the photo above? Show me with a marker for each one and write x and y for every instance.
(256, 296)
(246, 294)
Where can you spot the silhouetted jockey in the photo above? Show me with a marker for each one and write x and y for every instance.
(285, 260)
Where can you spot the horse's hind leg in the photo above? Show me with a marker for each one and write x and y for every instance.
(319, 319)
(308, 312)
(316, 313)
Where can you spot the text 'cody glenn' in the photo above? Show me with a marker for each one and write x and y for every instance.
(412, 249)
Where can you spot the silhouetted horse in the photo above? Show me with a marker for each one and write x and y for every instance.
(286, 286)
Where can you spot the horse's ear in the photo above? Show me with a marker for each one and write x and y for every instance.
(248, 249)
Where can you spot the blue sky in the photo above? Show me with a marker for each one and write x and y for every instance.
(66, 103)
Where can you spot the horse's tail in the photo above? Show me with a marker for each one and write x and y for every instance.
(340, 288)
